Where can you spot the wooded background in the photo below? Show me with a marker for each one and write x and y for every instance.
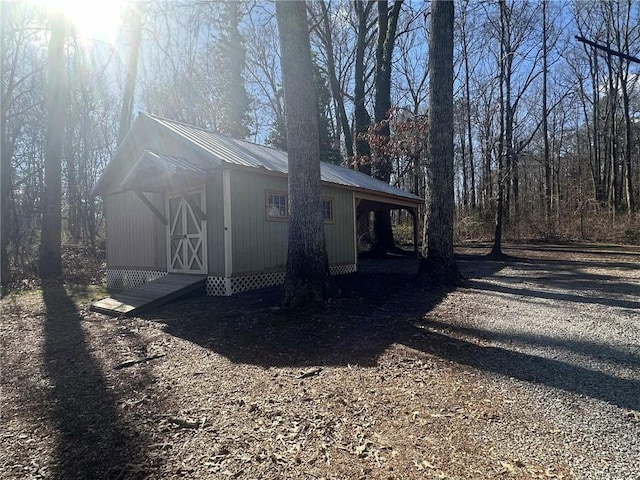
(547, 136)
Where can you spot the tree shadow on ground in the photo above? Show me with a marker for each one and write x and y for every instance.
(623, 392)
(626, 250)
(580, 294)
(601, 351)
(249, 328)
(377, 311)
(585, 285)
(93, 442)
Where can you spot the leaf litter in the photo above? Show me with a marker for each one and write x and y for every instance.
(199, 395)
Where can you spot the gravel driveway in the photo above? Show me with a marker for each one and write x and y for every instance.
(563, 326)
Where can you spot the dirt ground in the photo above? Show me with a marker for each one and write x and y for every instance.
(531, 369)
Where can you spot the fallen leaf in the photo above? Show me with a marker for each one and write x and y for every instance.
(310, 372)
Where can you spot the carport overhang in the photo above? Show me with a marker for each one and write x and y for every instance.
(366, 202)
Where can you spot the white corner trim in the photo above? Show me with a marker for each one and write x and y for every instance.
(226, 207)
(355, 229)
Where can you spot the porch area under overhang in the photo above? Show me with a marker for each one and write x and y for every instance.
(365, 203)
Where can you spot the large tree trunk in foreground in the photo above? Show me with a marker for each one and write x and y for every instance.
(50, 241)
(307, 276)
(439, 262)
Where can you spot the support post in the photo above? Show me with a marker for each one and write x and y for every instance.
(228, 244)
(356, 202)
(414, 216)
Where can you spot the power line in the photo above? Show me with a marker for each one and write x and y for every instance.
(607, 49)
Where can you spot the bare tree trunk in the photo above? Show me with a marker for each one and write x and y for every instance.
(73, 194)
(51, 238)
(545, 122)
(622, 42)
(362, 118)
(439, 262)
(467, 85)
(307, 276)
(6, 176)
(487, 184)
(465, 179)
(132, 69)
(387, 23)
(6, 182)
(510, 163)
(336, 92)
(381, 167)
(496, 250)
(614, 155)
(628, 172)
(599, 177)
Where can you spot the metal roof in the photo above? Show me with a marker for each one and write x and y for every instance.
(152, 170)
(221, 149)
(205, 153)
(174, 164)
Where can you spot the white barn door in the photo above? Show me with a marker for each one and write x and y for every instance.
(186, 233)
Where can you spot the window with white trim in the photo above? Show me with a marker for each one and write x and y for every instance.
(277, 206)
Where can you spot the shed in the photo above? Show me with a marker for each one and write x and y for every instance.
(180, 199)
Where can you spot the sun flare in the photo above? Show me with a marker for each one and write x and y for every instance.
(91, 19)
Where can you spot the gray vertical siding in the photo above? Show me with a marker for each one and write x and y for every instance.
(260, 244)
(215, 227)
(339, 234)
(135, 237)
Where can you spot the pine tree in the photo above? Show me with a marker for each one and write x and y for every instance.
(328, 151)
(231, 94)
